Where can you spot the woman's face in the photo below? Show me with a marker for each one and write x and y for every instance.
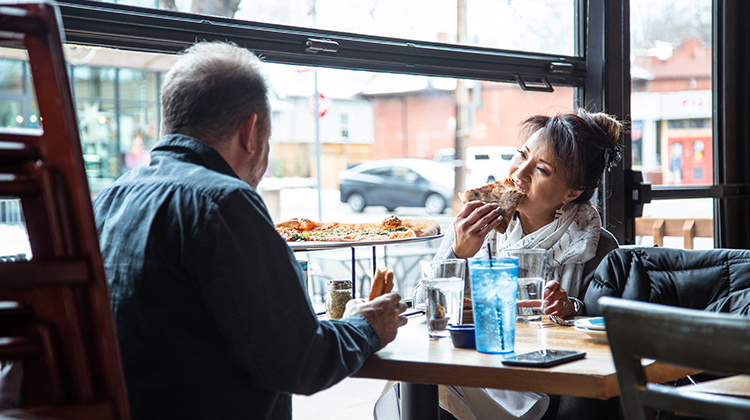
(536, 170)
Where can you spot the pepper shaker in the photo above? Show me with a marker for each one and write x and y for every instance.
(338, 292)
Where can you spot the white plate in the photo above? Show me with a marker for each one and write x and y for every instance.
(596, 335)
(591, 323)
(313, 245)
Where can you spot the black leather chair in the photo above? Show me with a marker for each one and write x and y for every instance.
(716, 280)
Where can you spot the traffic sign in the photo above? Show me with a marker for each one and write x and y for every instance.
(324, 104)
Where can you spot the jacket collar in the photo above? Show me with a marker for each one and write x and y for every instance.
(190, 149)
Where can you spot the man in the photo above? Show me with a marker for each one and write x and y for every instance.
(212, 316)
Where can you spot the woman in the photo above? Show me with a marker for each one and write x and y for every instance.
(559, 166)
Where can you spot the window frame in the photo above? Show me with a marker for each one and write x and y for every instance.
(599, 70)
(141, 29)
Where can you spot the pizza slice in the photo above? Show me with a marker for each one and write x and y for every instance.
(505, 194)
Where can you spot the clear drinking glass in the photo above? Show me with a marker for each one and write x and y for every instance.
(532, 266)
(494, 287)
(443, 282)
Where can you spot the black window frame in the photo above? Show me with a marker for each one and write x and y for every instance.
(599, 70)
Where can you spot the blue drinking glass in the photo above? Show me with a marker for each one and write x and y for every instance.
(494, 290)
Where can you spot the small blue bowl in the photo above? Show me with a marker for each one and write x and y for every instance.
(462, 336)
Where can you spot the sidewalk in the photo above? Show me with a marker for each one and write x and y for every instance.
(14, 240)
(350, 399)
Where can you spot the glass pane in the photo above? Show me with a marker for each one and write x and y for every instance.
(546, 26)
(389, 116)
(675, 214)
(18, 107)
(11, 76)
(94, 82)
(138, 133)
(137, 85)
(98, 130)
(671, 109)
(671, 85)
(11, 113)
(14, 240)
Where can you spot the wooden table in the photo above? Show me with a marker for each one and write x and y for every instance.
(735, 386)
(415, 359)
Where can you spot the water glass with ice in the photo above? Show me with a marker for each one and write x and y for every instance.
(532, 265)
(494, 287)
(443, 282)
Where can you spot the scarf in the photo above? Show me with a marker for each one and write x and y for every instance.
(570, 240)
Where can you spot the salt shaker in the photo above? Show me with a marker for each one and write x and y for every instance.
(338, 292)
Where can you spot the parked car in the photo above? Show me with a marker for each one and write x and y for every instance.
(397, 183)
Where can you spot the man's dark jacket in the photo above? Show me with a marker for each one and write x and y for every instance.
(212, 316)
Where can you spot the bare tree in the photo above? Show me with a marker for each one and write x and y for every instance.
(671, 21)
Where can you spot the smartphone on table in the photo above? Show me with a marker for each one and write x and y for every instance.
(544, 358)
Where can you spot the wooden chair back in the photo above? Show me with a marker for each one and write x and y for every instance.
(56, 319)
(688, 229)
(682, 337)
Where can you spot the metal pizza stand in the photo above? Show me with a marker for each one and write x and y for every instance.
(324, 245)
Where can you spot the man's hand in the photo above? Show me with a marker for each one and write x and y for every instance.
(383, 313)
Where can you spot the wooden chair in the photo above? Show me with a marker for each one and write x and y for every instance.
(688, 229)
(55, 319)
(683, 337)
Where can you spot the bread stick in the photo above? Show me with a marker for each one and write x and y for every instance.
(388, 281)
(378, 283)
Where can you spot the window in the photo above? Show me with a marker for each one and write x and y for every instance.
(677, 158)
(548, 48)
(382, 172)
(11, 76)
(545, 26)
(404, 174)
(677, 124)
(672, 140)
(17, 104)
(344, 126)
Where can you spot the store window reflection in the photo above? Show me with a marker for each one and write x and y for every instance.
(139, 116)
(118, 120)
(17, 107)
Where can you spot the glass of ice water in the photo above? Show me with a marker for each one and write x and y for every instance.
(443, 282)
(494, 288)
(532, 266)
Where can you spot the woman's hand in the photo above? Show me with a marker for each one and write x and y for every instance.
(475, 220)
(556, 300)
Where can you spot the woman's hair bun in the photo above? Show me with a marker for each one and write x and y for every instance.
(607, 124)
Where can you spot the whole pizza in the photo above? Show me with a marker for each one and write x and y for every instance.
(301, 230)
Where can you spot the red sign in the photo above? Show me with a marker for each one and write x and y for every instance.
(324, 104)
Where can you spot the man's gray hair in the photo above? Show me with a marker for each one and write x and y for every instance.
(212, 88)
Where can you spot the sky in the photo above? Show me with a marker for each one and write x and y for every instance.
(535, 25)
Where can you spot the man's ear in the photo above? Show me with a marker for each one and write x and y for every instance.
(247, 132)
